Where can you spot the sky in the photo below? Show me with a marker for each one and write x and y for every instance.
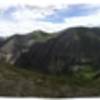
(24, 16)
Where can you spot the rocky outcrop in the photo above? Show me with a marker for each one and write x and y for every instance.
(15, 45)
(72, 49)
(67, 50)
(2, 40)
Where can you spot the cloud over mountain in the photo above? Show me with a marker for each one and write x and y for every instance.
(49, 15)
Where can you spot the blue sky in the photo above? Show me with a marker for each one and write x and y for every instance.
(22, 17)
(76, 10)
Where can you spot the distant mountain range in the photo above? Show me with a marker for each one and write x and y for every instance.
(67, 50)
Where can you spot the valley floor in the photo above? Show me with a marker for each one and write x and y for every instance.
(24, 83)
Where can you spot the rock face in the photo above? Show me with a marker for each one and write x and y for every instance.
(1, 41)
(15, 45)
(70, 50)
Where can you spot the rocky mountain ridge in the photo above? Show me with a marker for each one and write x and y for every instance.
(13, 46)
(69, 50)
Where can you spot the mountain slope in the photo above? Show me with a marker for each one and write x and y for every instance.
(72, 57)
(17, 82)
(2, 41)
(16, 44)
(70, 50)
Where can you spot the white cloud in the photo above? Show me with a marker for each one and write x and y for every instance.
(90, 20)
(25, 24)
(35, 13)
(8, 28)
(25, 20)
(44, 3)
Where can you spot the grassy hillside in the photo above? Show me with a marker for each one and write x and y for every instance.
(21, 82)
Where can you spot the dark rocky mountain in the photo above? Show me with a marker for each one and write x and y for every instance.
(17, 44)
(72, 49)
(2, 41)
(67, 50)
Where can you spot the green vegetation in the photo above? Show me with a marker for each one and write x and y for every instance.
(66, 65)
(21, 82)
(41, 36)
